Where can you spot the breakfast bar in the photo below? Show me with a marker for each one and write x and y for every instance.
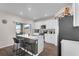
(31, 44)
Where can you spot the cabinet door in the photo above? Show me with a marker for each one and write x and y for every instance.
(49, 38)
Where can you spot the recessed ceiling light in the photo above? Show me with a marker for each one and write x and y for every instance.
(21, 13)
(29, 9)
(35, 18)
(45, 15)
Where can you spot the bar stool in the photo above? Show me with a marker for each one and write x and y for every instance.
(16, 45)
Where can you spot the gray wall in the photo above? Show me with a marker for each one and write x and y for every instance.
(66, 29)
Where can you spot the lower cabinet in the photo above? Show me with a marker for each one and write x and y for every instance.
(51, 38)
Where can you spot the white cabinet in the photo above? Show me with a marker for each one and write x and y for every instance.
(37, 25)
(40, 44)
(69, 48)
(51, 24)
(50, 38)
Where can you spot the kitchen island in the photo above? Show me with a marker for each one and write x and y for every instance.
(35, 43)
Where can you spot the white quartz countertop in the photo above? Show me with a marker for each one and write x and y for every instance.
(26, 36)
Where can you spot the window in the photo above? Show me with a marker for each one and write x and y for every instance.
(26, 28)
(23, 28)
(19, 28)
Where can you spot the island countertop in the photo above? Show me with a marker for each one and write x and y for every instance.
(30, 37)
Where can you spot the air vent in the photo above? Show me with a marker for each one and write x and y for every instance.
(4, 21)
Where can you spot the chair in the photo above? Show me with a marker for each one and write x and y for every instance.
(16, 45)
(19, 44)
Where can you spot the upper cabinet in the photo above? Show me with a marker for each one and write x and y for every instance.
(76, 14)
(46, 24)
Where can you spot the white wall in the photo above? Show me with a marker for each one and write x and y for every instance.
(7, 31)
(50, 24)
(76, 14)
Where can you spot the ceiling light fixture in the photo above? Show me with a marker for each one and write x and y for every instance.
(35, 18)
(45, 15)
(21, 13)
(29, 9)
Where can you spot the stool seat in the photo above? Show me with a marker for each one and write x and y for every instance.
(16, 40)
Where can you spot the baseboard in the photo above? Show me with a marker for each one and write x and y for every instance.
(6, 46)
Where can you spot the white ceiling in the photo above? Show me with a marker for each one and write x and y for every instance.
(32, 11)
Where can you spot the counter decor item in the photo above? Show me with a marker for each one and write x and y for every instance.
(66, 11)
